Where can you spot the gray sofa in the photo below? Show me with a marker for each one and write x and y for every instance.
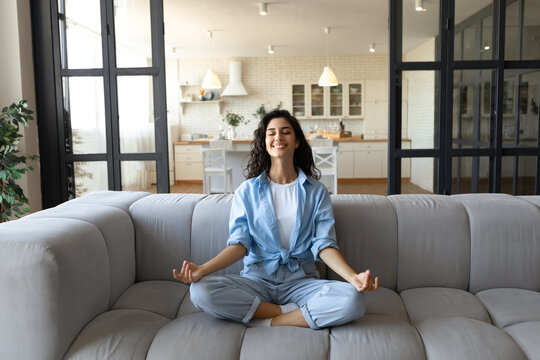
(91, 279)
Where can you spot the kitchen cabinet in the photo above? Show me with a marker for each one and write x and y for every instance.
(188, 162)
(346, 161)
(367, 160)
(311, 101)
(376, 110)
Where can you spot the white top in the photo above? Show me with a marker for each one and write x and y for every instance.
(285, 201)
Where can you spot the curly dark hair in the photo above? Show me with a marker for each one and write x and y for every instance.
(260, 159)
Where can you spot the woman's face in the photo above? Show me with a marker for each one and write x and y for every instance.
(280, 139)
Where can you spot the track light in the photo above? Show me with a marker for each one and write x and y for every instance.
(263, 11)
(372, 48)
(271, 49)
(419, 5)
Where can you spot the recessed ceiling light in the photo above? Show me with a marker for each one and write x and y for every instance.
(263, 11)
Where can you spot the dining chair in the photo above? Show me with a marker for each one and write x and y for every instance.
(214, 161)
(325, 159)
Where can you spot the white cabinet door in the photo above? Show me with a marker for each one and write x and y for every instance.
(368, 164)
(188, 171)
(345, 164)
(376, 109)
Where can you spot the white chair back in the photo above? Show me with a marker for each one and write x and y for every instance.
(214, 158)
(214, 162)
(325, 159)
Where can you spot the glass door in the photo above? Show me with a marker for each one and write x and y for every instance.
(111, 113)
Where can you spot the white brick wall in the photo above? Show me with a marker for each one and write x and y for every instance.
(420, 87)
(268, 81)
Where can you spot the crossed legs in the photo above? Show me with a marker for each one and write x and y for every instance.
(322, 303)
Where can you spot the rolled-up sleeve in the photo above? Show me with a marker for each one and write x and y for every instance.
(325, 232)
(238, 223)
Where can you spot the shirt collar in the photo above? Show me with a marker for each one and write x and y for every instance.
(302, 177)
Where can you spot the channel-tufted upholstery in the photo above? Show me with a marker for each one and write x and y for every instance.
(92, 279)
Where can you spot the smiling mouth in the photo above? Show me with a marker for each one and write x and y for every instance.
(280, 146)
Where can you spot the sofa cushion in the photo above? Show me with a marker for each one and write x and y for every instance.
(197, 336)
(285, 342)
(117, 230)
(429, 228)
(160, 297)
(54, 278)
(465, 338)
(376, 337)
(162, 233)
(511, 306)
(533, 199)
(119, 199)
(526, 336)
(366, 232)
(210, 230)
(427, 303)
(385, 302)
(505, 246)
(117, 334)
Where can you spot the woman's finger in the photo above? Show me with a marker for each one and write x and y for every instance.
(183, 271)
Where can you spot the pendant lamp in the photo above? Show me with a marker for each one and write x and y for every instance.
(328, 78)
(211, 80)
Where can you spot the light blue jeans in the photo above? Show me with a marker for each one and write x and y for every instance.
(323, 303)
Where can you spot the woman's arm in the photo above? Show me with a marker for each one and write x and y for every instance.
(192, 273)
(361, 281)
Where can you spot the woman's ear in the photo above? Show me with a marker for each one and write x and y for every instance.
(297, 144)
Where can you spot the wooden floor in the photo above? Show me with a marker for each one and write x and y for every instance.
(376, 187)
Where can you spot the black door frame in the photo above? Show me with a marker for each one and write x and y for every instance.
(443, 151)
(53, 124)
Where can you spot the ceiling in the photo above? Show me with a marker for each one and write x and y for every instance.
(295, 27)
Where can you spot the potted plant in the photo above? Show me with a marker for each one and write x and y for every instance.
(233, 120)
(261, 110)
(13, 165)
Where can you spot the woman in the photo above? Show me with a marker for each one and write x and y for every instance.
(281, 222)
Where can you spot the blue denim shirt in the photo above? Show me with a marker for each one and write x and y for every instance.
(253, 224)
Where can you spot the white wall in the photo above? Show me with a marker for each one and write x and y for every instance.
(17, 82)
(420, 87)
(268, 81)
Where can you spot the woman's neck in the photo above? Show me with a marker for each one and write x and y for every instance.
(281, 173)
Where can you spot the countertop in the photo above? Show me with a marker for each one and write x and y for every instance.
(248, 141)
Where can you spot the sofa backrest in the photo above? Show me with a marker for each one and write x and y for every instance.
(505, 241)
(409, 241)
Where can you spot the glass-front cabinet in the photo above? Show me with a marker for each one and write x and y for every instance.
(318, 101)
(336, 100)
(354, 104)
(311, 101)
(299, 100)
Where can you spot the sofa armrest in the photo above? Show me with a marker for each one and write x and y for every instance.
(54, 278)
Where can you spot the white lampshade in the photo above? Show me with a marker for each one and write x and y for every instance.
(211, 80)
(328, 78)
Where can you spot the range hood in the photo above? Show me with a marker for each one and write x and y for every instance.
(235, 87)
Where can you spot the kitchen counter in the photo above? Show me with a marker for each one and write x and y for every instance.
(357, 138)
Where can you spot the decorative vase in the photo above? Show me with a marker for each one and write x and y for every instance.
(231, 134)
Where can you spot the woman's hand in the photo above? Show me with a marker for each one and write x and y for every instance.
(363, 282)
(190, 273)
